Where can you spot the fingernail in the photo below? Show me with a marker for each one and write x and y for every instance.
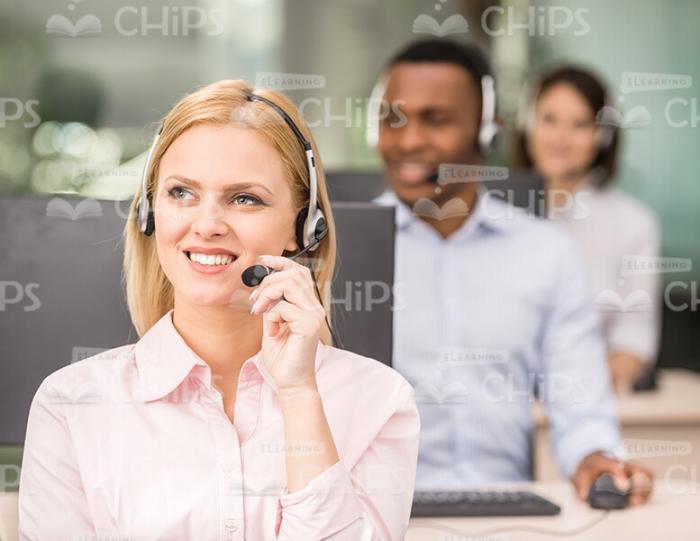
(253, 294)
(252, 309)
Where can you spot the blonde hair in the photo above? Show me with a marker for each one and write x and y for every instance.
(149, 293)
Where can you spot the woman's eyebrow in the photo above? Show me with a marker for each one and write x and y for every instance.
(229, 188)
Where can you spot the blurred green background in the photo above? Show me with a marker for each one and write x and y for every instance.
(77, 112)
(89, 103)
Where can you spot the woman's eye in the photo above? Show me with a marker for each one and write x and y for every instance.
(246, 200)
(178, 192)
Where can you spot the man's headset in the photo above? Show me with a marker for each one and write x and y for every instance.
(488, 127)
(310, 226)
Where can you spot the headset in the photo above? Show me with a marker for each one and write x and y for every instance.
(488, 127)
(606, 118)
(310, 225)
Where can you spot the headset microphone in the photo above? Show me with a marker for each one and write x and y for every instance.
(255, 274)
(310, 226)
(432, 178)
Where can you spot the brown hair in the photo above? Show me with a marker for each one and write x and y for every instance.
(149, 293)
(593, 92)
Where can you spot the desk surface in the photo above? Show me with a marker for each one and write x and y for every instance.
(669, 516)
(676, 401)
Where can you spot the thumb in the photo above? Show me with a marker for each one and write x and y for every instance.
(270, 324)
(583, 479)
(620, 478)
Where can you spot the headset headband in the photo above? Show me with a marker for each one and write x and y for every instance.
(488, 128)
(313, 215)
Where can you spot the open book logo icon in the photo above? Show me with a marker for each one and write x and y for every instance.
(637, 117)
(83, 392)
(60, 208)
(427, 392)
(453, 208)
(454, 24)
(60, 24)
(611, 301)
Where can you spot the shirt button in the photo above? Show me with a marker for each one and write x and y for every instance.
(231, 524)
(229, 467)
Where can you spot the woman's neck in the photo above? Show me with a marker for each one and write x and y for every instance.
(564, 183)
(560, 190)
(221, 336)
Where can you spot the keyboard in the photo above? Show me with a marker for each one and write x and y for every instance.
(481, 504)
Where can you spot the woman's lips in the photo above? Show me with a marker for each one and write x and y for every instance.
(208, 269)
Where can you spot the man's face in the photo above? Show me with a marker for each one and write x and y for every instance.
(437, 122)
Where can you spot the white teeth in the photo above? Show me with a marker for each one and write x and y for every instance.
(207, 259)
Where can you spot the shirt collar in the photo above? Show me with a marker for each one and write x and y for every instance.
(164, 361)
(490, 213)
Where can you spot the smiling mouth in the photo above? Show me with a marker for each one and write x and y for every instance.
(212, 260)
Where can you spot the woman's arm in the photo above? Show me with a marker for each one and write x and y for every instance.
(370, 500)
(52, 502)
(309, 446)
(325, 500)
(633, 335)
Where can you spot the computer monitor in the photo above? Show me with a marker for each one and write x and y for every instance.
(521, 188)
(355, 185)
(61, 298)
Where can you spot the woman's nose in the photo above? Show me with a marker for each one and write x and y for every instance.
(210, 220)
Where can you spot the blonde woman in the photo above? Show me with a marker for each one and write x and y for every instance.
(232, 417)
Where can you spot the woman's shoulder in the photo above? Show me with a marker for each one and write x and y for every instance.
(91, 378)
(342, 369)
(631, 209)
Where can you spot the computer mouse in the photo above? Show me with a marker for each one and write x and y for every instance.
(604, 494)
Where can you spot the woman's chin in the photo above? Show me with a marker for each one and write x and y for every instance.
(217, 298)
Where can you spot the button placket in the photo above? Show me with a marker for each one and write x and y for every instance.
(227, 447)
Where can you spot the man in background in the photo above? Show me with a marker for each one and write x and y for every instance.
(495, 308)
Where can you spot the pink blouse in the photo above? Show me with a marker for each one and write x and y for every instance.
(133, 444)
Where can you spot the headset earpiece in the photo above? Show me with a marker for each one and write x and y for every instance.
(144, 208)
(488, 127)
(146, 220)
(310, 232)
(605, 119)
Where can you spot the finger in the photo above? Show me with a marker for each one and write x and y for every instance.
(619, 475)
(593, 467)
(278, 262)
(642, 483)
(299, 321)
(297, 274)
(582, 481)
(291, 289)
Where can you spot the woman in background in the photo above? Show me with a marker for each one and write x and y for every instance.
(568, 133)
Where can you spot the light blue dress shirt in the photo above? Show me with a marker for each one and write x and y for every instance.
(483, 320)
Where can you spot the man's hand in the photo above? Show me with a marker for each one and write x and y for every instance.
(627, 476)
(624, 368)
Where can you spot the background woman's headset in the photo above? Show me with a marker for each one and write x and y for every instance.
(606, 118)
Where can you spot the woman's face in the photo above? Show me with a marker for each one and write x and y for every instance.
(562, 140)
(223, 198)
